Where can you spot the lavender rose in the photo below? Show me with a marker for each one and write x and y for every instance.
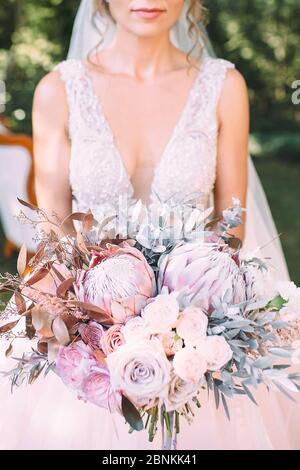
(97, 389)
(73, 363)
(180, 392)
(141, 371)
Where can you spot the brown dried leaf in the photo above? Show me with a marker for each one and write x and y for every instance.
(94, 312)
(64, 287)
(22, 260)
(88, 222)
(100, 356)
(30, 330)
(60, 331)
(27, 204)
(81, 244)
(235, 243)
(58, 274)
(42, 346)
(8, 326)
(20, 303)
(9, 350)
(42, 321)
(39, 275)
(39, 254)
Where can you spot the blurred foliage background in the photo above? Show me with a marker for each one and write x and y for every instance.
(260, 37)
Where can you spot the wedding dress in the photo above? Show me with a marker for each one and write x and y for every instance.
(46, 415)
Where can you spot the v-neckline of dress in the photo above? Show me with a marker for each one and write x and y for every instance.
(109, 131)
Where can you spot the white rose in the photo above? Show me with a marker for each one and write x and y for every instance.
(216, 351)
(161, 314)
(189, 365)
(134, 329)
(291, 310)
(286, 290)
(140, 370)
(171, 343)
(192, 325)
(180, 392)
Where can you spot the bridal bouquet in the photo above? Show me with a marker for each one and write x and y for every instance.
(142, 325)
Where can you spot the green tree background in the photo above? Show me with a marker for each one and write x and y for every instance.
(260, 37)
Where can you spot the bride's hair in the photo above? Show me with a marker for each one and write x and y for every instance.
(195, 14)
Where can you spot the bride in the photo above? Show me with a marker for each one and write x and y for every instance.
(147, 114)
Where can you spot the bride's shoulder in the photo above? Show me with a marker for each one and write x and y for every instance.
(225, 75)
(223, 68)
(51, 88)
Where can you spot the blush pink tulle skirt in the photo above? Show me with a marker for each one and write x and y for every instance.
(47, 415)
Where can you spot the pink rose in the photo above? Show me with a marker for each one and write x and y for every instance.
(73, 363)
(97, 389)
(92, 334)
(112, 339)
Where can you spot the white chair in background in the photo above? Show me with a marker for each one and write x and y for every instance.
(16, 181)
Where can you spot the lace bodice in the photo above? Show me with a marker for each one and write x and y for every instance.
(188, 165)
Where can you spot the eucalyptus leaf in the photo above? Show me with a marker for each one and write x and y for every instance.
(249, 393)
(281, 352)
(131, 414)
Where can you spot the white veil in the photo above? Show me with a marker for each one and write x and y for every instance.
(260, 227)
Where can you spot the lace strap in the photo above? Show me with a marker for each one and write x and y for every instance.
(211, 82)
(72, 74)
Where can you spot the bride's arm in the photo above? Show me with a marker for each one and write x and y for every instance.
(52, 148)
(232, 156)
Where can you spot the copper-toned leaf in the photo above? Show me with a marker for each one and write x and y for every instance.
(58, 274)
(22, 260)
(42, 321)
(30, 330)
(235, 243)
(8, 326)
(42, 346)
(94, 312)
(28, 204)
(20, 303)
(40, 253)
(88, 222)
(81, 244)
(59, 253)
(64, 287)
(39, 274)
(100, 356)
(9, 350)
(60, 331)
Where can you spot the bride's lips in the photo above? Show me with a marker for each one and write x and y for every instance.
(148, 13)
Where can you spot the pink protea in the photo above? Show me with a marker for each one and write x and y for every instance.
(120, 283)
(206, 270)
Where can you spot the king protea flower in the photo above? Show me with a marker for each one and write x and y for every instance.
(205, 270)
(120, 283)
